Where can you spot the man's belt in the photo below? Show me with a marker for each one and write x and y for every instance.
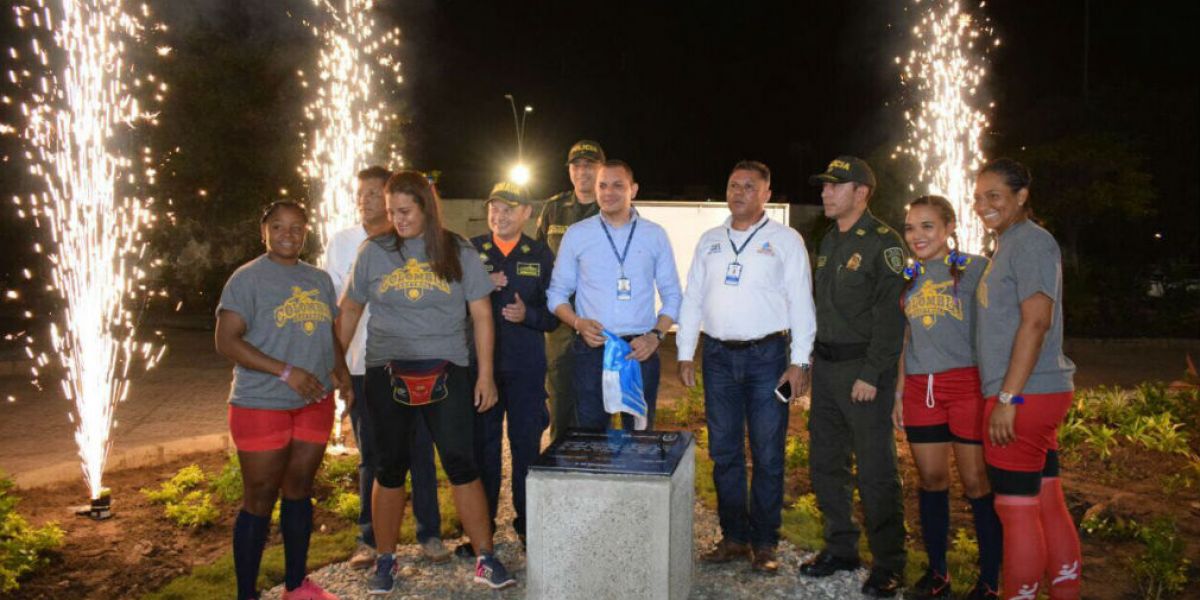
(743, 344)
(839, 352)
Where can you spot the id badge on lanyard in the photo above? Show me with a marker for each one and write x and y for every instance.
(733, 274)
(624, 290)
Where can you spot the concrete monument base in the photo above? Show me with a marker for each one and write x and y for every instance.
(610, 516)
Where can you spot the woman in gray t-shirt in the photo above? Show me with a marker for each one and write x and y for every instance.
(420, 281)
(1028, 385)
(275, 322)
(938, 401)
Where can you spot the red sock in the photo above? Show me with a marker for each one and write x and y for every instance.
(1063, 561)
(1024, 546)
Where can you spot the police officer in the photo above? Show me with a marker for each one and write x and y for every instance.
(559, 213)
(860, 329)
(520, 270)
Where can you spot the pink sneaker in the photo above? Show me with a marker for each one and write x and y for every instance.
(308, 590)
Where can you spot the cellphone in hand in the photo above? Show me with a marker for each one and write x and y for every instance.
(784, 392)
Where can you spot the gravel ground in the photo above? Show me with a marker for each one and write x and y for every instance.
(422, 579)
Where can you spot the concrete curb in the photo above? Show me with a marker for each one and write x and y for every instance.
(140, 456)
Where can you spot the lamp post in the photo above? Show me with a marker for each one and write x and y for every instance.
(519, 174)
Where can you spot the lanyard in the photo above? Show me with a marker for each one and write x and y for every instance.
(737, 251)
(620, 255)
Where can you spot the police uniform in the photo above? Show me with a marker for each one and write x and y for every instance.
(559, 213)
(860, 330)
(520, 367)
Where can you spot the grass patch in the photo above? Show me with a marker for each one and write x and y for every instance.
(217, 579)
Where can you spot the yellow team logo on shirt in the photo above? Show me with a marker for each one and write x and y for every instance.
(981, 292)
(414, 279)
(931, 301)
(304, 309)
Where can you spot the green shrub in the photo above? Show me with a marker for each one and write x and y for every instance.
(345, 505)
(22, 548)
(796, 454)
(338, 472)
(227, 485)
(194, 510)
(1161, 568)
(177, 486)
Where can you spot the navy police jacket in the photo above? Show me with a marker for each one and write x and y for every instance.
(520, 346)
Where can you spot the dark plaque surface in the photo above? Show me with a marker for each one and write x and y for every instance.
(616, 451)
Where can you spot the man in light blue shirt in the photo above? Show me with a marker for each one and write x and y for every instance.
(614, 262)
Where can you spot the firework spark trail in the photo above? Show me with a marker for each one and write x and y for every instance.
(73, 119)
(348, 115)
(947, 66)
(349, 112)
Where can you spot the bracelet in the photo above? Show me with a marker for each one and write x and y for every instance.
(287, 371)
(575, 325)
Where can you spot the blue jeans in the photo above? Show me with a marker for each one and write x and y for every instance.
(424, 475)
(739, 394)
(589, 393)
(523, 401)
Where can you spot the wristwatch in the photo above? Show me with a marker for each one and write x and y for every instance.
(658, 334)
(1006, 399)
(804, 367)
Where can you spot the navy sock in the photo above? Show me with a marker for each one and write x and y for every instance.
(295, 521)
(991, 539)
(249, 538)
(935, 527)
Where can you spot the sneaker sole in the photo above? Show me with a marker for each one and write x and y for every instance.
(494, 586)
(378, 592)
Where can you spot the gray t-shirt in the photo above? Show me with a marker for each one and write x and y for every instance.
(414, 313)
(1027, 261)
(289, 312)
(941, 318)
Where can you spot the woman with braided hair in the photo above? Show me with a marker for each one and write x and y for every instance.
(939, 405)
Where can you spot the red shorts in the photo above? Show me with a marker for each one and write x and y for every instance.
(955, 400)
(259, 430)
(1036, 429)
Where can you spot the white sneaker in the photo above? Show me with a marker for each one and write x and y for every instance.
(435, 550)
(363, 557)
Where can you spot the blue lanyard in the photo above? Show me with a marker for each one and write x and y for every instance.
(738, 251)
(620, 255)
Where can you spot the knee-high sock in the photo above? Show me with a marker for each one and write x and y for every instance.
(1024, 546)
(988, 532)
(935, 527)
(295, 520)
(249, 538)
(1063, 561)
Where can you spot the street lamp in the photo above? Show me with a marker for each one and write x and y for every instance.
(519, 174)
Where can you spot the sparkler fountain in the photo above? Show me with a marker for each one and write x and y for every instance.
(74, 118)
(348, 115)
(946, 68)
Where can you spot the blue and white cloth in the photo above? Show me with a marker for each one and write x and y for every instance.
(622, 381)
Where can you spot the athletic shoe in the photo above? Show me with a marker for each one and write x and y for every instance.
(826, 564)
(383, 580)
(435, 550)
(363, 558)
(982, 591)
(882, 583)
(489, 570)
(308, 591)
(932, 585)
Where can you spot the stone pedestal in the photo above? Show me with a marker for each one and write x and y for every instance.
(610, 516)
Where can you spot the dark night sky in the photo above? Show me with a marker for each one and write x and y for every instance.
(683, 90)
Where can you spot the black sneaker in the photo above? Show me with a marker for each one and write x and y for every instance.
(826, 564)
(465, 550)
(882, 583)
(932, 585)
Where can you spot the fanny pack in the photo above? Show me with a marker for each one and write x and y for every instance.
(418, 382)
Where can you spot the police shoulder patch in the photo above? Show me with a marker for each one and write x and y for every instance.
(894, 257)
(821, 260)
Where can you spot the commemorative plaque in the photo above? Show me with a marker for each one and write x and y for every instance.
(610, 516)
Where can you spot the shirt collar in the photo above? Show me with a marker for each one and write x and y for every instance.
(729, 222)
(633, 216)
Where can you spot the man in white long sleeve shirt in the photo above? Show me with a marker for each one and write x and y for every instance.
(750, 290)
(339, 261)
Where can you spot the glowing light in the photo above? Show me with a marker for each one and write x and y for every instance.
(74, 116)
(348, 116)
(945, 69)
(519, 175)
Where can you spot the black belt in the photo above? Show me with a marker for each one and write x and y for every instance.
(632, 336)
(839, 352)
(743, 344)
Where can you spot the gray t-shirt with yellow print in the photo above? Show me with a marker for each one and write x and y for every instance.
(289, 312)
(414, 313)
(941, 318)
